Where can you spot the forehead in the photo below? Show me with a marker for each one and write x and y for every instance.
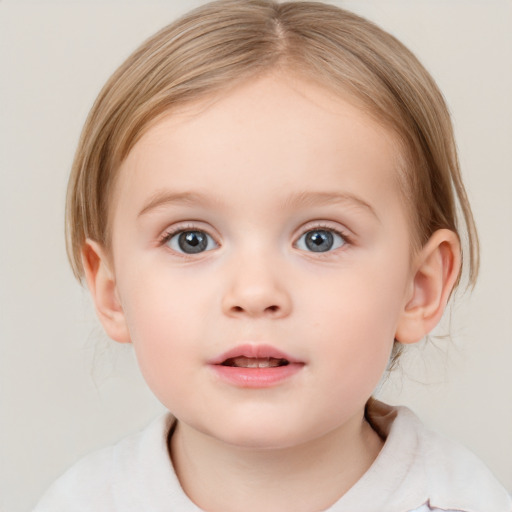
(276, 134)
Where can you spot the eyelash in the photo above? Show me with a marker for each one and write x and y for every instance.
(326, 227)
(172, 232)
(169, 234)
(347, 239)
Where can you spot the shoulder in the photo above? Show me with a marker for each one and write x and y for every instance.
(448, 475)
(113, 478)
(86, 484)
(457, 478)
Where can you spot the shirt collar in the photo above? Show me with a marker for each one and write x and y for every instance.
(415, 467)
(418, 467)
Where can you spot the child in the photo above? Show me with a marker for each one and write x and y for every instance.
(263, 202)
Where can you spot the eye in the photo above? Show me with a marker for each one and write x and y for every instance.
(320, 240)
(190, 242)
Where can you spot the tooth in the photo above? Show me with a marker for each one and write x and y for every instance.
(255, 362)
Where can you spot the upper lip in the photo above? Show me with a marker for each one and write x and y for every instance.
(254, 350)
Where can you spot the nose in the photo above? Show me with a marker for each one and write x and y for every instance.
(255, 289)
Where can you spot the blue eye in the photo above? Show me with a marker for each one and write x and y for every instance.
(320, 240)
(191, 242)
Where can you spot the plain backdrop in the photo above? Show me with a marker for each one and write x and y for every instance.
(66, 390)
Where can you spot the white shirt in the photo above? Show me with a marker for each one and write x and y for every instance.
(416, 471)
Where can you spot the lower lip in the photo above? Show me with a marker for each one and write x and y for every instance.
(257, 377)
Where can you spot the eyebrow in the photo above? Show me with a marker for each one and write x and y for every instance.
(301, 199)
(326, 198)
(165, 197)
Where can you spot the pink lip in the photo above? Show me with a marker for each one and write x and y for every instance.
(253, 350)
(255, 377)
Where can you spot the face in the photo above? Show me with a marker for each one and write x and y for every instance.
(261, 254)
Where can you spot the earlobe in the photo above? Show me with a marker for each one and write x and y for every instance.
(435, 273)
(102, 286)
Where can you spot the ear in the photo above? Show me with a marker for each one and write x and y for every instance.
(435, 273)
(102, 286)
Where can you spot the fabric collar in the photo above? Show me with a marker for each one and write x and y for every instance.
(415, 468)
(418, 467)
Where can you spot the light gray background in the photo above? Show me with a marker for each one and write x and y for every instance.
(64, 389)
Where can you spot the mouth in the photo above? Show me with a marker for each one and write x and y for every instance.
(252, 355)
(255, 366)
(255, 362)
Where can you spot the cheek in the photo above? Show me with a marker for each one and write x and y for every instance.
(362, 299)
(359, 340)
(357, 321)
(160, 305)
(162, 319)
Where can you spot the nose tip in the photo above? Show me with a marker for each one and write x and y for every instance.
(255, 295)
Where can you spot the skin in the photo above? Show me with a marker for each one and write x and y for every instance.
(257, 169)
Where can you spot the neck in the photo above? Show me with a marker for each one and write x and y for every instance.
(219, 477)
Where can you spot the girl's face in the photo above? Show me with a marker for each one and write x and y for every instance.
(262, 260)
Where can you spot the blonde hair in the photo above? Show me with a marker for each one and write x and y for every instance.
(226, 42)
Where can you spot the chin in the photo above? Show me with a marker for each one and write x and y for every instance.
(260, 441)
(272, 434)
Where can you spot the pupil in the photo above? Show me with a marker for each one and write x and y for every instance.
(319, 241)
(192, 242)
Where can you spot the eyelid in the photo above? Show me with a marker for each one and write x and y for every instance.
(335, 227)
(181, 227)
(178, 228)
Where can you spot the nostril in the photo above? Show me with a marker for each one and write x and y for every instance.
(269, 309)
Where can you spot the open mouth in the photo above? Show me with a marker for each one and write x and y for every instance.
(255, 362)
(255, 366)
